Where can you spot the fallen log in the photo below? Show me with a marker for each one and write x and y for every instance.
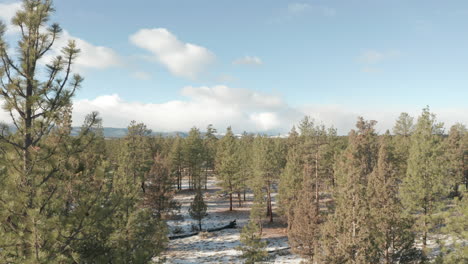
(279, 250)
(231, 224)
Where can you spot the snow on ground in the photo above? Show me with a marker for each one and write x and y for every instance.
(220, 246)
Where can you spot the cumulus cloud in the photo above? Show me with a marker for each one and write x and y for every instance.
(244, 110)
(248, 60)
(90, 57)
(221, 106)
(180, 58)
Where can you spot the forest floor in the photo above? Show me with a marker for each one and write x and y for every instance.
(220, 246)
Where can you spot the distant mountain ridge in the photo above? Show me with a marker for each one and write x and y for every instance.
(114, 132)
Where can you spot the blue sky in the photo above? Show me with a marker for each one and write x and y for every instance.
(262, 65)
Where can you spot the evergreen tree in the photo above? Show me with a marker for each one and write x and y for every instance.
(253, 248)
(52, 184)
(137, 157)
(291, 178)
(246, 167)
(304, 223)
(177, 161)
(210, 147)
(403, 130)
(228, 164)
(193, 157)
(456, 227)
(160, 192)
(198, 208)
(392, 239)
(424, 186)
(456, 150)
(346, 233)
(266, 169)
(404, 125)
(136, 232)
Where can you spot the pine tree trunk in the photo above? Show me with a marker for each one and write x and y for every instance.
(270, 209)
(230, 201)
(206, 178)
(240, 200)
(317, 201)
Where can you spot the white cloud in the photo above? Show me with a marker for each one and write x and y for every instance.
(243, 109)
(181, 59)
(248, 60)
(90, 57)
(221, 106)
(7, 12)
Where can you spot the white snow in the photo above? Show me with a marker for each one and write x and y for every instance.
(220, 246)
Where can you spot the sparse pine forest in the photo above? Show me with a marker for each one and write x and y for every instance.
(366, 197)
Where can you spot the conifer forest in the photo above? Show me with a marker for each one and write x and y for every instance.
(71, 194)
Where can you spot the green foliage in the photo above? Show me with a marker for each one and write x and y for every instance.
(198, 208)
(456, 151)
(456, 229)
(346, 233)
(253, 249)
(304, 223)
(177, 161)
(266, 167)
(159, 195)
(424, 186)
(193, 157)
(228, 164)
(391, 235)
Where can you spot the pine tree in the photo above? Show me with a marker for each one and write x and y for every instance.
(291, 178)
(198, 208)
(404, 125)
(390, 230)
(346, 233)
(304, 223)
(266, 169)
(210, 146)
(456, 227)
(424, 186)
(246, 167)
(228, 164)
(403, 130)
(51, 188)
(253, 248)
(136, 231)
(456, 151)
(193, 157)
(177, 161)
(159, 196)
(137, 158)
